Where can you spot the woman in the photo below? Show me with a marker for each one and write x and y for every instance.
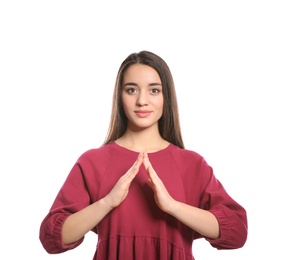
(142, 192)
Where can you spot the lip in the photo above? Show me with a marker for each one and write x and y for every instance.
(142, 113)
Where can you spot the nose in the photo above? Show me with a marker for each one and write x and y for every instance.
(142, 99)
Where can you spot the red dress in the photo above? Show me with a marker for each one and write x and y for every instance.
(138, 229)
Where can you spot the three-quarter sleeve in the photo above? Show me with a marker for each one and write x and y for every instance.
(72, 197)
(230, 214)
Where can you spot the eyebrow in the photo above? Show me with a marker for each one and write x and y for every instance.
(135, 84)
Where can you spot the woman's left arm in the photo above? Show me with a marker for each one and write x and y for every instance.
(202, 221)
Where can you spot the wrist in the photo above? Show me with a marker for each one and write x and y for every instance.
(106, 204)
(173, 207)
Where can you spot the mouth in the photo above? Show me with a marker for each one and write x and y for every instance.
(142, 113)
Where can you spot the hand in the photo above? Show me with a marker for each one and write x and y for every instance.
(162, 197)
(121, 188)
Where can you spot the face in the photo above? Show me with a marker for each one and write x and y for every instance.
(142, 97)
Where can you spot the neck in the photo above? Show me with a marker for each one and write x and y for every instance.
(142, 141)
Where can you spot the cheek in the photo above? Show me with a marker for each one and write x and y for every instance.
(125, 101)
(127, 104)
(160, 103)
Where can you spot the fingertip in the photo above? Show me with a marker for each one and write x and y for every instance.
(140, 157)
(145, 160)
(145, 155)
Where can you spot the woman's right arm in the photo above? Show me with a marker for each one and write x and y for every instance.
(79, 223)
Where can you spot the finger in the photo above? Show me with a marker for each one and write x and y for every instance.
(137, 163)
(150, 183)
(131, 173)
(149, 169)
(146, 161)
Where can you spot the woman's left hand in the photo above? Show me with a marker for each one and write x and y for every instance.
(162, 197)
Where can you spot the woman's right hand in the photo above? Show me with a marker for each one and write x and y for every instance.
(121, 188)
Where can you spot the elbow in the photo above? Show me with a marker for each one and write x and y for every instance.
(49, 245)
(243, 238)
(235, 240)
(233, 237)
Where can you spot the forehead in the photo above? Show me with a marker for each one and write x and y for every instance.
(141, 72)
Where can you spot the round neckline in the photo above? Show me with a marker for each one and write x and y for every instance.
(132, 152)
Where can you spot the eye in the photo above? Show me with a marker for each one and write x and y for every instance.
(155, 90)
(130, 90)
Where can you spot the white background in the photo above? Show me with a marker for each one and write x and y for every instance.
(58, 63)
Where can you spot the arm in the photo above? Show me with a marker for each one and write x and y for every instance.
(72, 216)
(202, 221)
(217, 217)
(79, 223)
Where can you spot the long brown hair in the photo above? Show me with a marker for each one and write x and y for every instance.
(169, 123)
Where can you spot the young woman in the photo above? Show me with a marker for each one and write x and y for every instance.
(142, 192)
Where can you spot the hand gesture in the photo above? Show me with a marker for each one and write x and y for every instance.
(162, 197)
(121, 188)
